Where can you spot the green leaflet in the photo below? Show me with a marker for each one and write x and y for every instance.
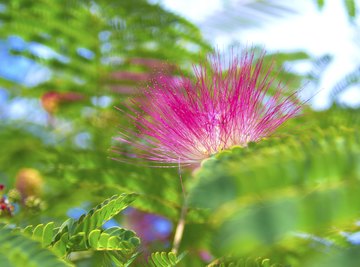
(232, 262)
(164, 259)
(114, 238)
(96, 217)
(320, 3)
(17, 250)
(350, 8)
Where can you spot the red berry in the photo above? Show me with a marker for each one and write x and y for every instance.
(2, 187)
(3, 206)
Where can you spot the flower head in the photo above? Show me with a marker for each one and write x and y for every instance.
(179, 121)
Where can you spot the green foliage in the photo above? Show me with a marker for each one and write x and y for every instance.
(102, 213)
(320, 3)
(134, 30)
(229, 262)
(129, 42)
(17, 249)
(96, 41)
(163, 259)
(262, 194)
(117, 245)
(278, 199)
(350, 6)
(349, 258)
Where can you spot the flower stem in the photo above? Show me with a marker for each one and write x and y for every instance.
(179, 231)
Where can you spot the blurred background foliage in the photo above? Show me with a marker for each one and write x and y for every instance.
(293, 198)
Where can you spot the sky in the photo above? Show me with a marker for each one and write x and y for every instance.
(314, 31)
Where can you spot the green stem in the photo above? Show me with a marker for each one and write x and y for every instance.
(179, 231)
(180, 228)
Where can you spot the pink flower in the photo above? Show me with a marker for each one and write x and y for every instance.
(179, 121)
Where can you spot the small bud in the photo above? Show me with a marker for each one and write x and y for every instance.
(34, 203)
(29, 182)
(52, 100)
(10, 209)
(14, 195)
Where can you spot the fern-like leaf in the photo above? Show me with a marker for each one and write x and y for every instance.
(115, 244)
(164, 259)
(249, 262)
(17, 250)
(96, 217)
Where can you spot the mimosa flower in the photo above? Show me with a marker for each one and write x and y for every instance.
(180, 121)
